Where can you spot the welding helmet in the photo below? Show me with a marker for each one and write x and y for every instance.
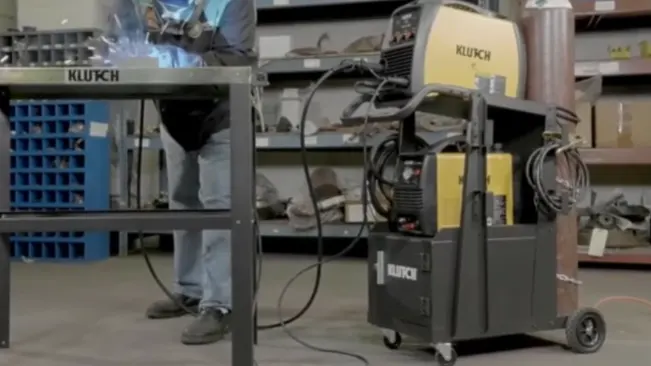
(206, 12)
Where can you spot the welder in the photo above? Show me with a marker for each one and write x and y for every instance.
(196, 141)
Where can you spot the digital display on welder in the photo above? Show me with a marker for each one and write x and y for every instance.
(404, 26)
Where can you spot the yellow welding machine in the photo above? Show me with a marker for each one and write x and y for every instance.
(454, 43)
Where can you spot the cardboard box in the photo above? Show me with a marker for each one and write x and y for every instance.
(623, 122)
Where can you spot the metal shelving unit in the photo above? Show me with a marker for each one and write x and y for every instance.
(615, 15)
(310, 65)
(279, 228)
(298, 69)
(291, 141)
(310, 68)
(275, 4)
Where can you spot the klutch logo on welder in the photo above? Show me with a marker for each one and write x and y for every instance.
(473, 52)
(402, 272)
(92, 76)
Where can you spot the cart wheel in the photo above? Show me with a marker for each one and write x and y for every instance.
(585, 331)
(395, 344)
(443, 362)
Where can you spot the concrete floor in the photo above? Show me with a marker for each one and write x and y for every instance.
(92, 315)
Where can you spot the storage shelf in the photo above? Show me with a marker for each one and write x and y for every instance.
(291, 141)
(281, 228)
(292, 11)
(583, 8)
(618, 256)
(318, 64)
(275, 4)
(339, 230)
(617, 156)
(632, 67)
(311, 65)
(56, 148)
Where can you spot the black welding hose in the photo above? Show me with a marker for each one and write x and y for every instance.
(384, 156)
(141, 236)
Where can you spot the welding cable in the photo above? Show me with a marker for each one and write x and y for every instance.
(574, 186)
(141, 237)
(145, 254)
(345, 66)
(321, 260)
(384, 155)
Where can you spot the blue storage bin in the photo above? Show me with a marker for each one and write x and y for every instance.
(60, 162)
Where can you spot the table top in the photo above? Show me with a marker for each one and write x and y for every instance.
(120, 83)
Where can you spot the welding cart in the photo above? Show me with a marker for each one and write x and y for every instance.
(477, 280)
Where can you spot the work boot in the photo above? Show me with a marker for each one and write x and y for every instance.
(210, 326)
(168, 308)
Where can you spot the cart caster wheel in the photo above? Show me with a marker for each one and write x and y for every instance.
(441, 361)
(585, 331)
(395, 343)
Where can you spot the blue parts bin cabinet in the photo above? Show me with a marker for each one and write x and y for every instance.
(60, 162)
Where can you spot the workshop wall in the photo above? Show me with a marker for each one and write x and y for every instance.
(60, 14)
(7, 14)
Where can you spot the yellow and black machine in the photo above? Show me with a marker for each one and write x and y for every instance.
(468, 248)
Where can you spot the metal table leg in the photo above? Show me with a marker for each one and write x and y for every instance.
(5, 186)
(243, 234)
(145, 83)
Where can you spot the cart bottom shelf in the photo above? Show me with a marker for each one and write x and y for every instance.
(280, 228)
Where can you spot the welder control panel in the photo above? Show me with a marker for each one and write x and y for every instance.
(404, 26)
(411, 172)
(407, 194)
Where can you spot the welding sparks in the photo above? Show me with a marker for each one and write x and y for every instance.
(118, 23)
(131, 40)
(4, 59)
(107, 41)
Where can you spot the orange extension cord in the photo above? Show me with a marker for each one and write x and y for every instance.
(638, 300)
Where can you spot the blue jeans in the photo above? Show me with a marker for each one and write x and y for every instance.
(201, 179)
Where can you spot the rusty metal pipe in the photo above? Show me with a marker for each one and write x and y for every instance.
(549, 34)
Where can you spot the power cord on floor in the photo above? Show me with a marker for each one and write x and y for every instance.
(143, 249)
(378, 87)
(348, 66)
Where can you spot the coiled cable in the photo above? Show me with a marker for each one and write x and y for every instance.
(379, 186)
(568, 189)
(384, 157)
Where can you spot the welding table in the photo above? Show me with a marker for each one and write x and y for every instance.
(144, 83)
